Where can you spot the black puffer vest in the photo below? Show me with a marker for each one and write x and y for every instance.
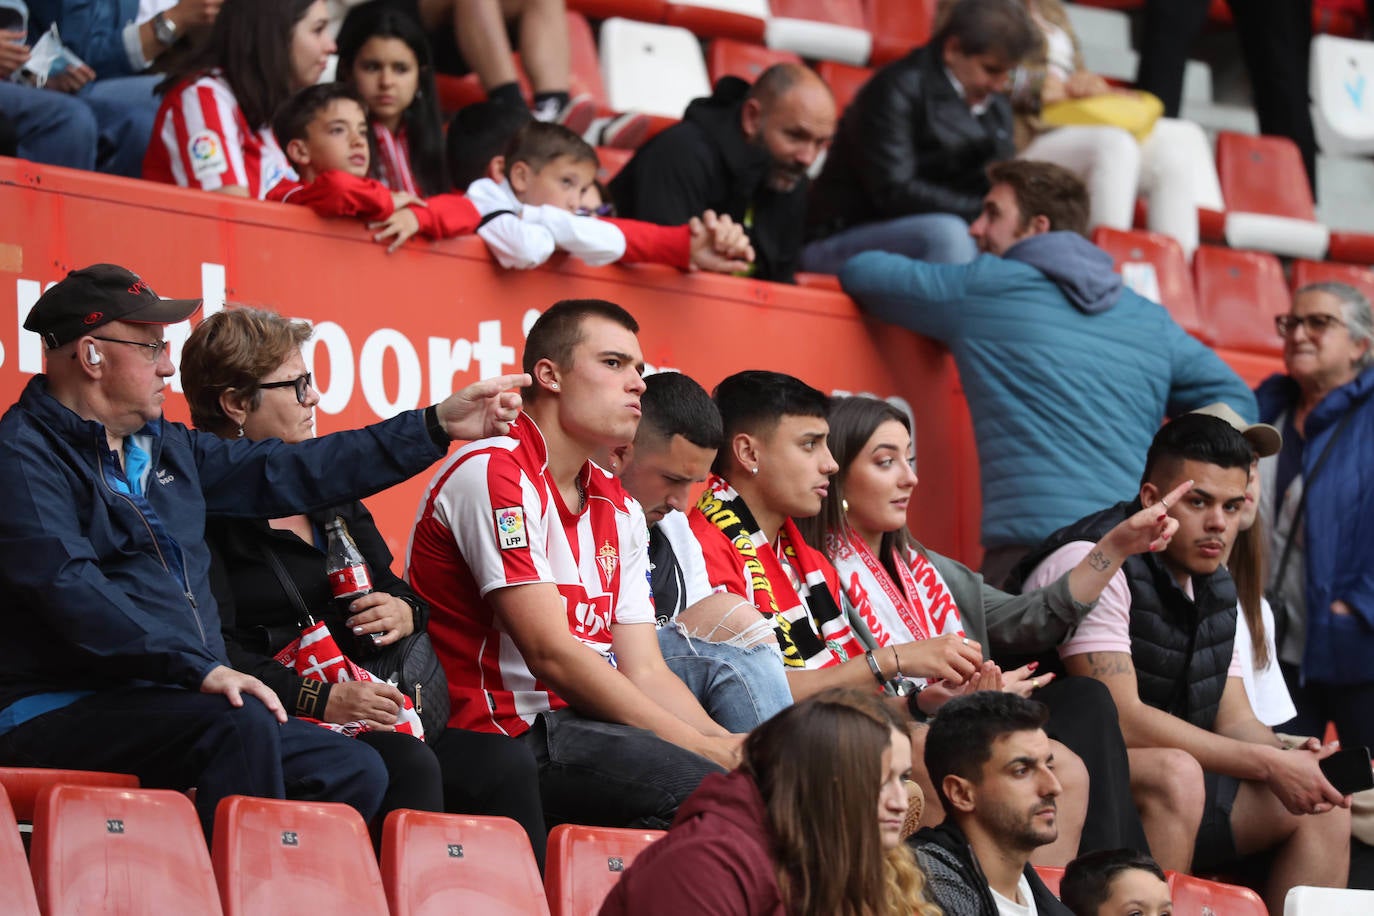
(1181, 648)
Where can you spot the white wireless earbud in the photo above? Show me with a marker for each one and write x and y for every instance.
(92, 356)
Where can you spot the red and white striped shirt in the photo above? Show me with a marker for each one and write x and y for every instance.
(202, 140)
(493, 518)
(393, 159)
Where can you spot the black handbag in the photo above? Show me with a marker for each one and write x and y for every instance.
(409, 664)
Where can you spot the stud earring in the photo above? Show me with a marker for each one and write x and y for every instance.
(553, 385)
(844, 505)
(754, 470)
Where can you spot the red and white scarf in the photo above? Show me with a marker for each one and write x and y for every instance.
(316, 655)
(919, 607)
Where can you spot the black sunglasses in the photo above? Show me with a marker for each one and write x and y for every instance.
(301, 383)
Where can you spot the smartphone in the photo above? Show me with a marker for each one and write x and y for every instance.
(1348, 770)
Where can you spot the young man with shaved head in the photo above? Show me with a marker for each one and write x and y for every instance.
(1162, 640)
(744, 151)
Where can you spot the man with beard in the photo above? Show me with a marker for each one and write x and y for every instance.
(1162, 639)
(1068, 373)
(743, 151)
(991, 764)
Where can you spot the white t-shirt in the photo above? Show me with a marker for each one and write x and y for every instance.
(1265, 687)
(493, 518)
(1007, 907)
(1107, 628)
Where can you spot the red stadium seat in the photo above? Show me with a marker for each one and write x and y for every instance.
(98, 849)
(1263, 175)
(450, 863)
(1239, 293)
(844, 80)
(23, 784)
(643, 10)
(898, 26)
(1051, 875)
(742, 20)
(1197, 895)
(1305, 272)
(14, 866)
(283, 857)
(613, 159)
(727, 57)
(1351, 247)
(1139, 251)
(584, 863)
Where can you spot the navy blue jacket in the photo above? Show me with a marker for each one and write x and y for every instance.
(1338, 527)
(105, 589)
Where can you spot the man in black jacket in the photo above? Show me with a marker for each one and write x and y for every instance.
(906, 173)
(991, 764)
(743, 151)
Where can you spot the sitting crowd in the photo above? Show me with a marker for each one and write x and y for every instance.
(199, 94)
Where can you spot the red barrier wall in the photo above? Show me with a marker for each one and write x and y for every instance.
(404, 330)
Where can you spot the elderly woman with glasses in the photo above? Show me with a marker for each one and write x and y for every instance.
(1318, 493)
(245, 377)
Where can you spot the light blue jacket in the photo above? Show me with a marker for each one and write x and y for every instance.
(1067, 374)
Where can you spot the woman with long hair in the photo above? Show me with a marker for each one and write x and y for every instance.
(383, 52)
(214, 129)
(810, 824)
(901, 592)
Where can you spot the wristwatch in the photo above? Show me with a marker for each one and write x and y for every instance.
(164, 30)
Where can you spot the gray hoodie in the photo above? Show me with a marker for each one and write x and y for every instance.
(1078, 267)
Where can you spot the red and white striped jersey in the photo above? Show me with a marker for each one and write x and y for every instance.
(493, 518)
(202, 140)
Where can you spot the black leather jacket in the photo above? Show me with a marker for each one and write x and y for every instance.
(908, 144)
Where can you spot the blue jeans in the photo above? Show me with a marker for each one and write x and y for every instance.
(739, 688)
(610, 775)
(125, 109)
(53, 128)
(175, 739)
(937, 238)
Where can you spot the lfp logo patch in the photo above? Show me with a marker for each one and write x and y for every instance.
(510, 528)
(206, 152)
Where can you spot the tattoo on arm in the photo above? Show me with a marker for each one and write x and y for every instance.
(1107, 664)
(1098, 560)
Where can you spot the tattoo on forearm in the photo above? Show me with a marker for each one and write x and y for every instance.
(1098, 560)
(1106, 664)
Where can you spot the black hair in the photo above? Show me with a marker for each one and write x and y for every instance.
(537, 143)
(1195, 437)
(1087, 881)
(1000, 27)
(754, 401)
(294, 117)
(673, 404)
(423, 126)
(557, 332)
(251, 43)
(961, 735)
(477, 134)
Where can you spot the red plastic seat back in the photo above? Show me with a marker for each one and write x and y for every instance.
(727, 57)
(711, 22)
(898, 26)
(1305, 272)
(1263, 175)
(98, 849)
(1197, 895)
(584, 863)
(23, 784)
(643, 10)
(450, 863)
(612, 160)
(284, 857)
(586, 66)
(1239, 293)
(14, 865)
(833, 12)
(1133, 249)
(844, 80)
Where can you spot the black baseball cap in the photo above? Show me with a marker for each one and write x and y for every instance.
(95, 296)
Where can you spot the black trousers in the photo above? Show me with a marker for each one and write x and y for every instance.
(176, 739)
(1275, 36)
(1083, 718)
(492, 775)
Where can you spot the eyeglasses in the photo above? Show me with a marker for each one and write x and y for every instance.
(154, 349)
(1316, 324)
(301, 383)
